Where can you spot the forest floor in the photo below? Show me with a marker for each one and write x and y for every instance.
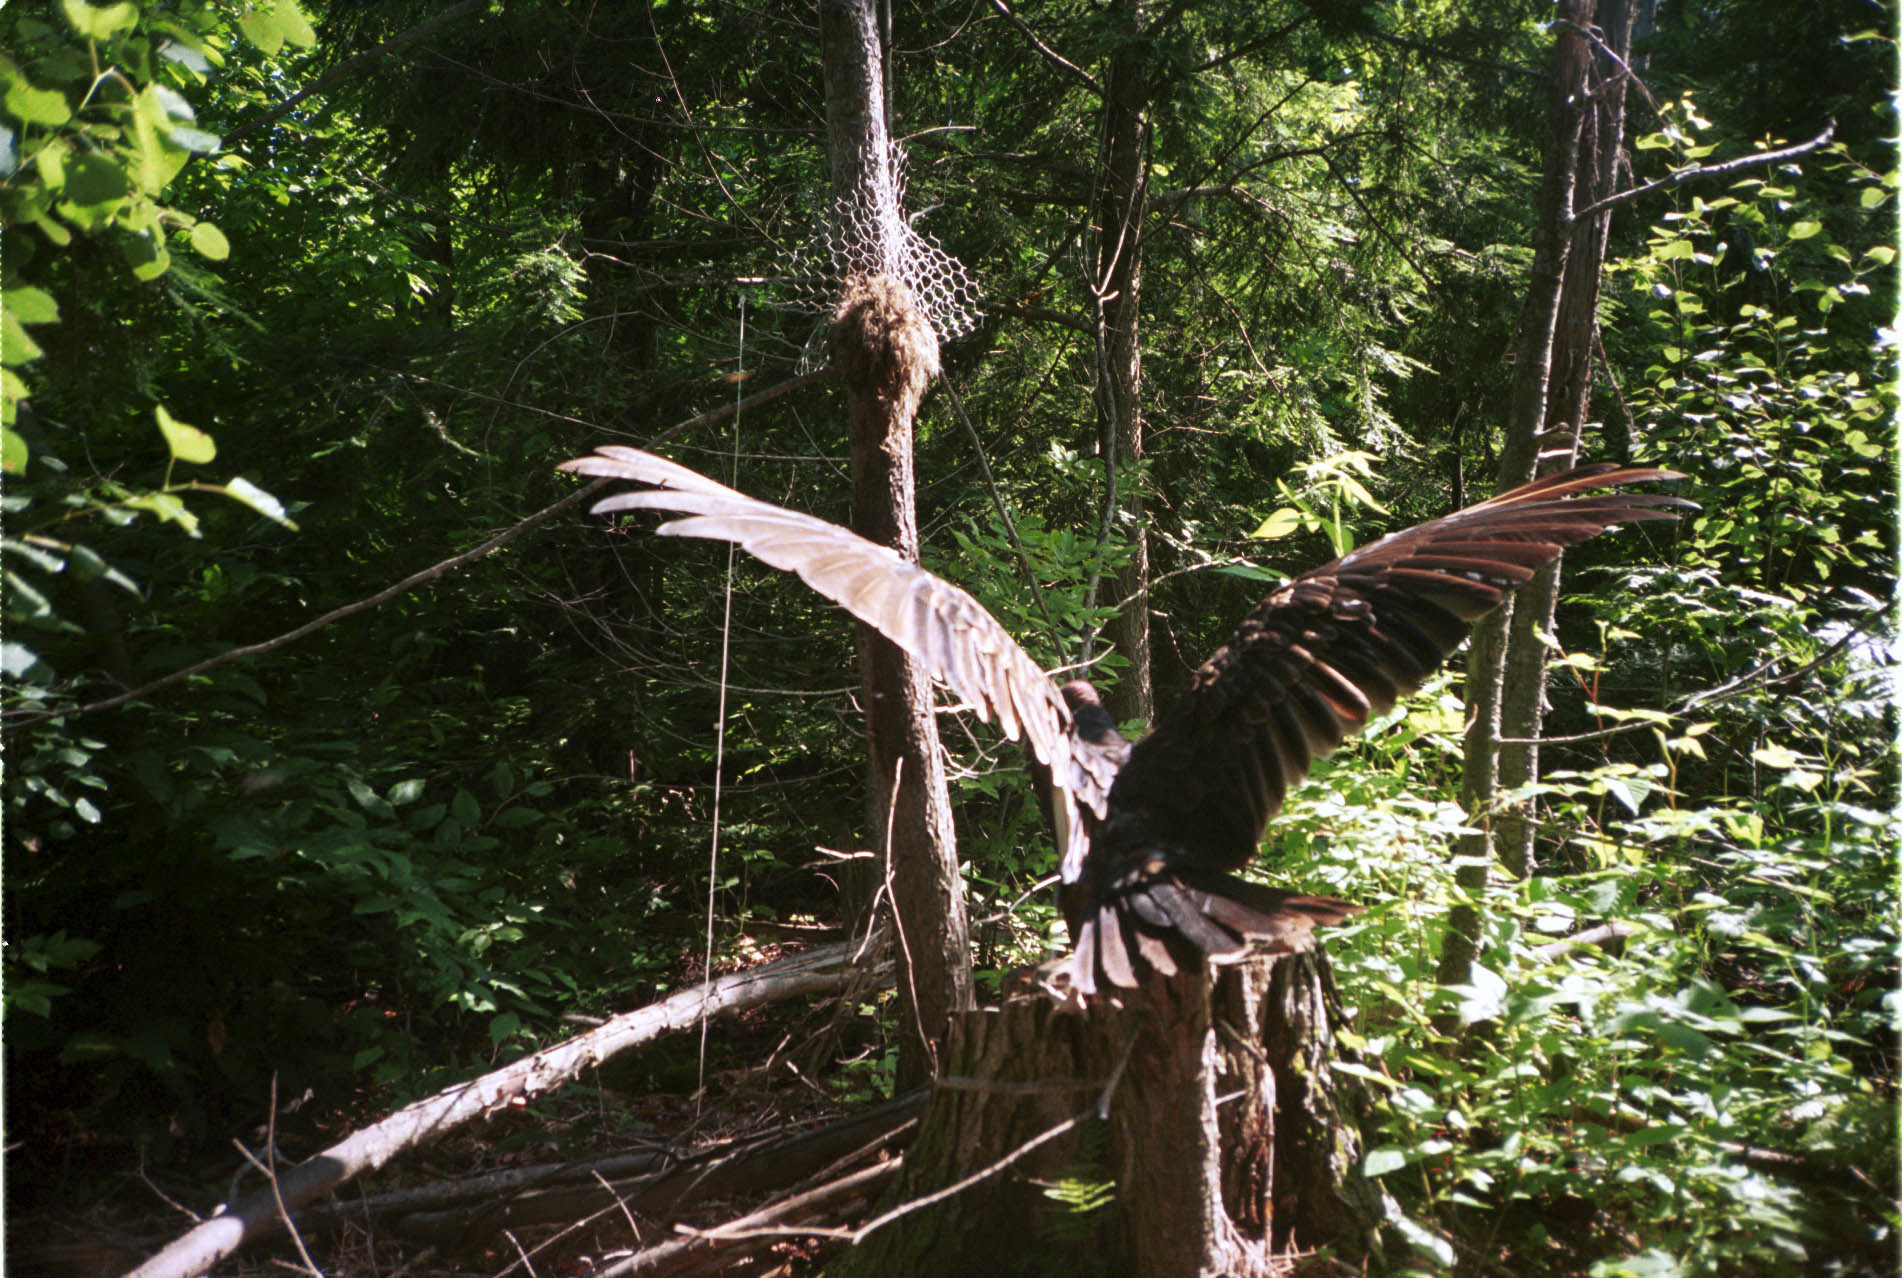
(770, 1074)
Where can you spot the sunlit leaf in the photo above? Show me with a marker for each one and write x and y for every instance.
(1775, 756)
(100, 22)
(1279, 524)
(210, 242)
(188, 443)
(36, 106)
(32, 305)
(257, 499)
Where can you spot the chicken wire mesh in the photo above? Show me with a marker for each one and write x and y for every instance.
(868, 234)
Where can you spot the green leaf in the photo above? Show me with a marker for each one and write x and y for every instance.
(32, 305)
(13, 452)
(1880, 254)
(94, 179)
(1804, 230)
(1775, 756)
(168, 508)
(242, 489)
(145, 252)
(186, 56)
(1381, 1160)
(1646, 1264)
(159, 159)
(188, 443)
(100, 22)
(368, 799)
(210, 242)
(261, 29)
(195, 140)
(270, 26)
(1426, 1241)
(15, 346)
(16, 659)
(37, 106)
(297, 28)
(406, 791)
(1871, 196)
(1279, 524)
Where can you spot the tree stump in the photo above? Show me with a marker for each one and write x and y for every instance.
(1193, 1128)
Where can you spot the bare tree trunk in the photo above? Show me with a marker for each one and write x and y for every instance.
(1568, 407)
(1194, 1129)
(1532, 370)
(1117, 285)
(887, 355)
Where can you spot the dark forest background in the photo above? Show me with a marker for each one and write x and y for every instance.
(290, 317)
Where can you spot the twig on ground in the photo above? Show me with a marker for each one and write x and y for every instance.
(825, 970)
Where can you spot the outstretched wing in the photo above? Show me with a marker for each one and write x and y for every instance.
(939, 625)
(1339, 645)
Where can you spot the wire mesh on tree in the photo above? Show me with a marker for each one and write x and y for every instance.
(869, 235)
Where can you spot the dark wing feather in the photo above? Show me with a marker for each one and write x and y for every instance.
(1337, 646)
(939, 625)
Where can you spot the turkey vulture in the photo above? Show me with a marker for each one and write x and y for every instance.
(1149, 832)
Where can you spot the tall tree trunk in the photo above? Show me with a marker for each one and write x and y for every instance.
(1567, 409)
(887, 355)
(1124, 175)
(1532, 372)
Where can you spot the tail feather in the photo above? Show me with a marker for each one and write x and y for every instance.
(1156, 952)
(1192, 922)
(1112, 950)
(1172, 919)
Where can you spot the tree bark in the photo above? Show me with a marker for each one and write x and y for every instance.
(1193, 1129)
(1532, 372)
(887, 354)
(1567, 409)
(1117, 286)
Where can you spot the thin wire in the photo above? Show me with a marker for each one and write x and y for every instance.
(719, 727)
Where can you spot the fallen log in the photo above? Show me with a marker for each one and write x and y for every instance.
(774, 1161)
(829, 969)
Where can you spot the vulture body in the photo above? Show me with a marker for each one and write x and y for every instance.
(1151, 832)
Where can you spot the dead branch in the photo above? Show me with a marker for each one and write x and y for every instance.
(827, 970)
(1725, 169)
(1810, 1169)
(691, 1254)
(1047, 53)
(763, 1164)
(1590, 936)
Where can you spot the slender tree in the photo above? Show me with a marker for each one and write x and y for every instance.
(1497, 647)
(887, 354)
(1122, 191)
